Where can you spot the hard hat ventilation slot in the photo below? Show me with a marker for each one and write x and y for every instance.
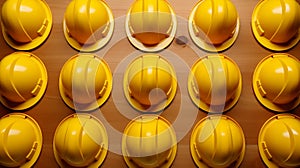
(37, 88)
(42, 30)
(98, 155)
(197, 152)
(266, 151)
(32, 151)
(104, 88)
(195, 87)
(261, 89)
(106, 29)
(260, 30)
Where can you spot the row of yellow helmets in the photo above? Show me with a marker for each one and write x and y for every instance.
(150, 82)
(148, 141)
(151, 24)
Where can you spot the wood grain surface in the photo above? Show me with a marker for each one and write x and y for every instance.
(116, 112)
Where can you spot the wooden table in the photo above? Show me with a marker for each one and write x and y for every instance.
(116, 112)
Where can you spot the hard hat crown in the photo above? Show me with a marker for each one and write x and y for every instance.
(214, 24)
(86, 81)
(149, 141)
(285, 21)
(215, 80)
(27, 22)
(150, 21)
(21, 140)
(150, 81)
(284, 94)
(286, 72)
(220, 21)
(217, 141)
(80, 140)
(279, 141)
(86, 20)
(16, 19)
(23, 78)
(275, 24)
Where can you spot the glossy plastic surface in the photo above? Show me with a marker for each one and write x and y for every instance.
(88, 24)
(150, 83)
(276, 24)
(214, 24)
(276, 82)
(23, 80)
(150, 24)
(21, 140)
(215, 83)
(217, 141)
(279, 141)
(149, 141)
(26, 24)
(85, 82)
(80, 140)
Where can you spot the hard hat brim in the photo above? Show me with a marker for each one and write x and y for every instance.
(202, 43)
(158, 108)
(38, 134)
(35, 42)
(266, 42)
(194, 137)
(162, 45)
(103, 154)
(95, 104)
(32, 101)
(261, 137)
(95, 46)
(266, 102)
(211, 108)
(173, 148)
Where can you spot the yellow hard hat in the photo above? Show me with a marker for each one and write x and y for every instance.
(279, 141)
(276, 24)
(80, 140)
(215, 81)
(85, 82)
(150, 83)
(26, 24)
(88, 24)
(23, 80)
(217, 141)
(214, 24)
(150, 24)
(20, 139)
(276, 82)
(149, 141)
